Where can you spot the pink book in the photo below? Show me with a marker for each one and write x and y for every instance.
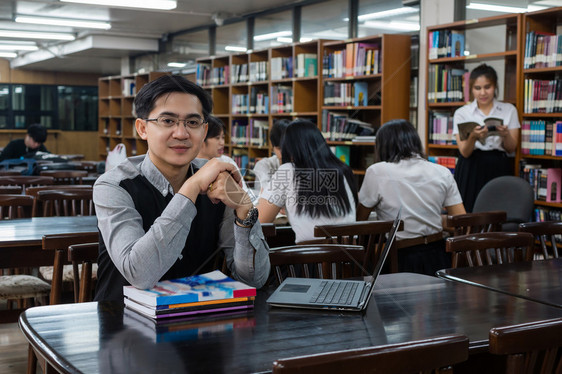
(554, 184)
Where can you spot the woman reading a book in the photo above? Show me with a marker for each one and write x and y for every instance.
(485, 150)
(402, 178)
(315, 186)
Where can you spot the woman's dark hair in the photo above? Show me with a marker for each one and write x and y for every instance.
(165, 85)
(216, 126)
(486, 71)
(37, 132)
(319, 174)
(277, 131)
(397, 140)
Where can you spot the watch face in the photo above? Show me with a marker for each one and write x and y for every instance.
(252, 217)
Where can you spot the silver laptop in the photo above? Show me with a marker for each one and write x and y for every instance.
(337, 294)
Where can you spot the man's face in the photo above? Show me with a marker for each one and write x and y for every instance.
(30, 142)
(174, 147)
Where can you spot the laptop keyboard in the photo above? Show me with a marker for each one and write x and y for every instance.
(335, 293)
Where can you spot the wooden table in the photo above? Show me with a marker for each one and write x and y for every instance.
(21, 242)
(539, 281)
(105, 338)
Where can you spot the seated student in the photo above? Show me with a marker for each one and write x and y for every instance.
(314, 185)
(402, 178)
(28, 146)
(213, 146)
(167, 215)
(266, 167)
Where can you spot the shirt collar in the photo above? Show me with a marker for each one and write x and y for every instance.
(474, 107)
(156, 178)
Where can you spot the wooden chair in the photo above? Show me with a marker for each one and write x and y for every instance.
(533, 347)
(15, 206)
(17, 285)
(472, 223)
(435, 355)
(268, 229)
(66, 176)
(489, 248)
(284, 236)
(85, 255)
(61, 271)
(13, 190)
(25, 181)
(75, 202)
(549, 235)
(369, 234)
(326, 261)
(9, 172)
(34, 191)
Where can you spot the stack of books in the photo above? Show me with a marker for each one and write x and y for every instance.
(205, 293)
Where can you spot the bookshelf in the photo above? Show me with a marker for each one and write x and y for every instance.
(448, 65)
(366, 82)
(115, 113)
(541, 149)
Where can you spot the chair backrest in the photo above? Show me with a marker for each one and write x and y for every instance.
(83, 254)
(25, 181)
(533, 347)
(9, 172)
(77, 202)
(66, 176)
(549, 235)
(15, 206)
(268, 229)
(326, 261)
(13, 190)
(490, 248)
(472, 223)
(369, 234)
(438, 354)
(34, 190)
(511, 194)
(284, 236)
(59, 243)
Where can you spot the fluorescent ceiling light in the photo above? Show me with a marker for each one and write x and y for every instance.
(8, 54)
(145, 4)
(234, 48)
(290, 40)
(388, 13)
(35, 35)
(17, 47)
(503, 9)
(392, 25)
(64, 22)
(272, 35)
(176, 64)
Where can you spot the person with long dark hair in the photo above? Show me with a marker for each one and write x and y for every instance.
(482, 156)
(402, 178)
(315, 186)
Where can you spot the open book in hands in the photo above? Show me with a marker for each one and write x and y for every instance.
(465, 128)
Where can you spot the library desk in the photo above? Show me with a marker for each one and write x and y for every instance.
(106, 338)
(539, 281)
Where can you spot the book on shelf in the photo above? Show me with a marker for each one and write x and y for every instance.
(198, 288)
(343, 153)
(361, 95)
(465, 128)
(457, 44)
(364, 139)
(554, 185)
(307, 65)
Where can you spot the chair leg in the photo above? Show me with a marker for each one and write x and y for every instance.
(31, 360)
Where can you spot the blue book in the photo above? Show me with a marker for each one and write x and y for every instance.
(361, 94)
(457, 44)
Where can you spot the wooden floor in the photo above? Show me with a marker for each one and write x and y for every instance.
(13, 350)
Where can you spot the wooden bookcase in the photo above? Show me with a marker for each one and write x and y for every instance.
(545, 23)
(116, 119)
(505, 57)
(388, 88)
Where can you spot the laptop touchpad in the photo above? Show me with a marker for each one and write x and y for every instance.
(301, 288)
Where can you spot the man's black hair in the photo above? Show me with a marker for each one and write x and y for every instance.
(37, 132)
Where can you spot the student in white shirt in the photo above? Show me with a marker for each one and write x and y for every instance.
(266, 167)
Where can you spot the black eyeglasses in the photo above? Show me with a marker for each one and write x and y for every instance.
(169, 122)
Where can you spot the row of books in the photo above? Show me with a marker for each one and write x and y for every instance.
(543, 214)
(445, 43)
(546, 182)
(447, 84)
(281, 99)
(254, 103)
(355, 60)
(239, 73)
(542, 49)
(129, 87)
(244, 162)
(339, 127)
(543, 96)
(207, 76)
(441, 128)
(540, 137)
(281, 68)
(448, 161)
(307, 65)
(249, 132)
(205, 293)
(344, 94)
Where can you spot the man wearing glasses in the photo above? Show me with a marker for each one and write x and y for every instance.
(166, 214)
